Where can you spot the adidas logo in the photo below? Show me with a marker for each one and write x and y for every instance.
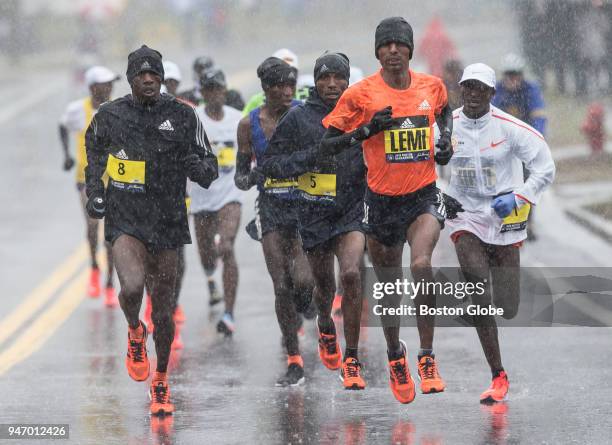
(424, 106)
(291, 75)
(121, 154)
(166, 125)
(407, 124)
(145, 66)
(324, 68)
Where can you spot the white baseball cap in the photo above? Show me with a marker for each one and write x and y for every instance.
(479, 71)
(99, 74)
(172, 71)
(288, 56)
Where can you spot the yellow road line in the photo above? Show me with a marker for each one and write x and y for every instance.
(35, 335)
(42, 293)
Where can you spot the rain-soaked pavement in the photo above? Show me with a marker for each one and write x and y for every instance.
(62, 355)
(224, 390)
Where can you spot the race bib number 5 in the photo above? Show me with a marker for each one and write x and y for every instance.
(318, 184)
(408, 140)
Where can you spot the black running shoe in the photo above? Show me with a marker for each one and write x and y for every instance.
(295, 373)
(226, 325)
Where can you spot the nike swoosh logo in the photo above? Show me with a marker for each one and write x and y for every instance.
(495, 144)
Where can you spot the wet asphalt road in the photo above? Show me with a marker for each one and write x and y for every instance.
(64, 360)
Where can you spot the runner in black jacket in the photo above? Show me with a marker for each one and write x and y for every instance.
(149, 144)
(330, 209)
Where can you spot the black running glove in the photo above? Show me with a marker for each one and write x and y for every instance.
(445, 152)
(452, 206)
(381, 120)
(96, 206)
(256, 176)
(202, 171)
(334, 141)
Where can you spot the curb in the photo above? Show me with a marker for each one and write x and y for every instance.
(593, 222)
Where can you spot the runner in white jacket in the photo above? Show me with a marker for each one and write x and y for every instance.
(487, 179)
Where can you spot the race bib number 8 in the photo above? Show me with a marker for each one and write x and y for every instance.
(517, 220)
(318, 184)
(123, 170)
(408, 140)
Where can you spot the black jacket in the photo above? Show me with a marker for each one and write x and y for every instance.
(293, 151)
(143, 150)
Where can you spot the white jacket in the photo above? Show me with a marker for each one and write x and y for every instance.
(487, 162)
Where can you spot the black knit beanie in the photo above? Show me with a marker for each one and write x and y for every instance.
(142, 60)
(332, 63)
(393, 29)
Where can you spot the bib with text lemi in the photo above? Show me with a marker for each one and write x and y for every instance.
(317, 185)
(517, 220)
(125, 174)
(408, 140)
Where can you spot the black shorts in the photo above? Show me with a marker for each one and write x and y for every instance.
(387, 218)
(317, 228)
(172, 238)
(273, 214)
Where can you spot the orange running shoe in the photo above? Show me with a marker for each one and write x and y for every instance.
(111, 299)
(93, 288)
(400, 380)
(137, 362)
(498, 390)
(147, 313)
(160, 398)
(428, 375)
(350, 374)
(329, 350)
(179, 315)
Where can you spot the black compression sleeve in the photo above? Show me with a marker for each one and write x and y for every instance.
(445, 120)
(334, 140)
